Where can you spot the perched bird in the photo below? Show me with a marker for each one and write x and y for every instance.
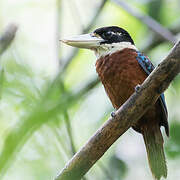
(121, 67)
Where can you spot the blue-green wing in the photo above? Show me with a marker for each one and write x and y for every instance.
(148, 67)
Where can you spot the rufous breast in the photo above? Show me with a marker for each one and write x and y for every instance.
(120, 72)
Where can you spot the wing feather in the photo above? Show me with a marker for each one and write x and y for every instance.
(148, 67)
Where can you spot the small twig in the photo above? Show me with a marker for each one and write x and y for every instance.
(150, 22)
(62, 142)
(67, 121)
(127, 115)
(156, 39)
(66, 116)
(7, 37)
(69, 131)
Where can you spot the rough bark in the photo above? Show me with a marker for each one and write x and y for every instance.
(127, 115)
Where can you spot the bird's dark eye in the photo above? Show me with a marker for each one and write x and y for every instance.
(107, 35)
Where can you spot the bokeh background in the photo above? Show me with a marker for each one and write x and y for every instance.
(50, 99)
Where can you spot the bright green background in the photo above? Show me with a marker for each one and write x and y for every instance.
(36, 113)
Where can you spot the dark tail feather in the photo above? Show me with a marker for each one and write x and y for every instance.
(154, 146)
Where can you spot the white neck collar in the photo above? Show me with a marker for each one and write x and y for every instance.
(108, 49)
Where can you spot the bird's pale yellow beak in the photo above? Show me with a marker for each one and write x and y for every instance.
(87, 41)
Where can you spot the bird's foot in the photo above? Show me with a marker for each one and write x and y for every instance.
(113, 114)
(137, 88)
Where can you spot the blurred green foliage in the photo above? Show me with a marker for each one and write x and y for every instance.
(173, 146)
(118, 168)
(51, 102)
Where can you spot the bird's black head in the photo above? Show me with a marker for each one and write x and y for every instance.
(113, 34)
(103, 41)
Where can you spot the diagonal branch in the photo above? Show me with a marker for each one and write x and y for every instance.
(127, 115)
(156, 39)
(150, 22)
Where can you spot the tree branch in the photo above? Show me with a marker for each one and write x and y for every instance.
(127, 115)
(150, 22)
(156, 39)
(7, 37)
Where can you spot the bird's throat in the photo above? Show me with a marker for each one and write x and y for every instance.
(108, 49)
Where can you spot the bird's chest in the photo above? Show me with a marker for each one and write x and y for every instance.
(120, 73)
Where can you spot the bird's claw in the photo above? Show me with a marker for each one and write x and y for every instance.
(137, 88)
(113, 114)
